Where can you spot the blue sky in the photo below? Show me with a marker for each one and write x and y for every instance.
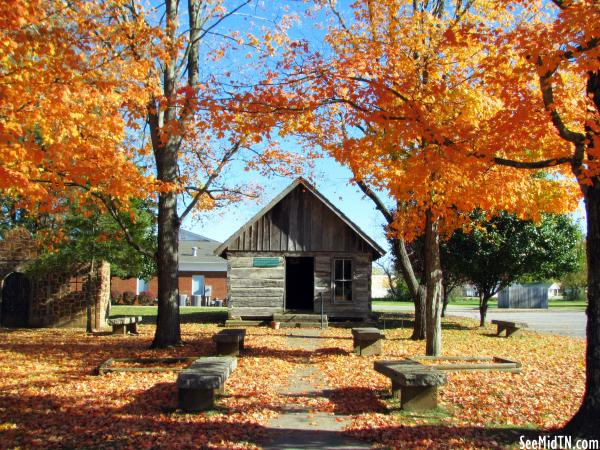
(331, 180)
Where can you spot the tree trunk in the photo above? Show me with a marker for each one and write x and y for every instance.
(417, 290)
(584, 423)
(403, 263)
(420, 324)
(433, 279)
(483, 307)
(163, 122)
(89, 298)
(445, 300)
(168, 329)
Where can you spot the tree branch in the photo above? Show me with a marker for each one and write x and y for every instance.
(533, 164)
(389, 217)
(213, 176)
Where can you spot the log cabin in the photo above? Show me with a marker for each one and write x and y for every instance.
(298, 251)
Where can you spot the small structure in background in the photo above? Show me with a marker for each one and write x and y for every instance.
(526, 296)
(555, 290)
(56, 297)
(202, 277)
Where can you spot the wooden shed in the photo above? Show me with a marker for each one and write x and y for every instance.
(296, 252)
(528, 296)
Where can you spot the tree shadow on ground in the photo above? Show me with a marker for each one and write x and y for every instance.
(54, 422)
(355, 400)
(317, 337)
(295, 356)
(330, 351)
(443, 436)
(217, 317)
(51, 422)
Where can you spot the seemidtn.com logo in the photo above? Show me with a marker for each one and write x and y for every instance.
(558, 442)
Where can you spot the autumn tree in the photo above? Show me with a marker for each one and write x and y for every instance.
(400, 96)
(195, 134)
(550, 87)
(118, 99)
(66, 71)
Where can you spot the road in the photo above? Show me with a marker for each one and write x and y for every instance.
(564, 323)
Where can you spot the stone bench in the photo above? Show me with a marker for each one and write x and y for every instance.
(415, 384)
(198, 384)
(230, 341)
(512, 328)
(124, 325)
(367, 341)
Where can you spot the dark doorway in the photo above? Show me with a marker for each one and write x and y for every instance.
(16, 291)
(299, 283)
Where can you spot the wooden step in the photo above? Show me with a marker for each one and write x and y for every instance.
(236, 323)
(298, 318)
(302, 324)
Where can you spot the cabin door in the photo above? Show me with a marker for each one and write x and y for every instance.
(299, 283)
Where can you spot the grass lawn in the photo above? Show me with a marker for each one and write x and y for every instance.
(50, 396)
(189, 314)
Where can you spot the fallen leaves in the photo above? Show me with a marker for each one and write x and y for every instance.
(50, 397)
(483, 406)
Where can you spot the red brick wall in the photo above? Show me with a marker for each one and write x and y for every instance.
(120, 285)
(218, 281)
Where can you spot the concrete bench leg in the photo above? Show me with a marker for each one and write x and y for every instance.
(415, 398)
(418, 398)
(132, 328)
(368, 347)
(500, 330)
(228, 348)
(195, 400)
(119, 329)
(513, 332)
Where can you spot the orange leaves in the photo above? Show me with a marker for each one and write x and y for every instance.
(418, 101)
(63, 86)
(50, 398)
(479, 404)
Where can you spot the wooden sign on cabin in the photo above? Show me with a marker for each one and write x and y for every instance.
(265, 262)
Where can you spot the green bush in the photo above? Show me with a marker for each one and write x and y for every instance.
(128, 298)
(146, 298)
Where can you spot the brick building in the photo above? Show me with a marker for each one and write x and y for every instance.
(200, 272)
(56, 297)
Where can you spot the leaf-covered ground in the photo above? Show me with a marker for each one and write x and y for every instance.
(50, 396)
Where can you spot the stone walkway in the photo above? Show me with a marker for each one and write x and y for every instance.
(298, 426)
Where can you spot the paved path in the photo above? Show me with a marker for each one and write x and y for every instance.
(564, 323)
(298, 427)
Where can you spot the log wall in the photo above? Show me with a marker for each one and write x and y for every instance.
(260, 291)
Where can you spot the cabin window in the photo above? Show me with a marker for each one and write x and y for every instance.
(342, 278)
